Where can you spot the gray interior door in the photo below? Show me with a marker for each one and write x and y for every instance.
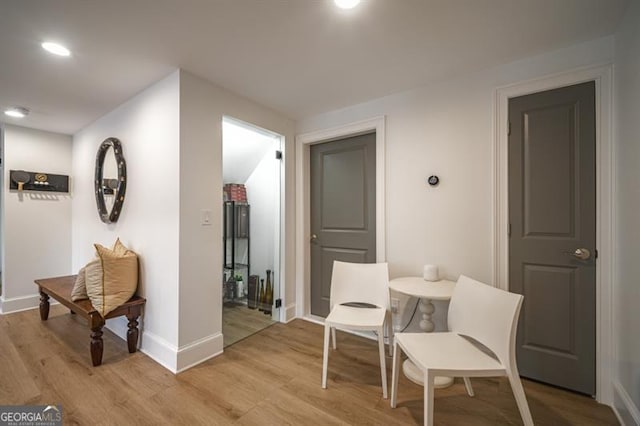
(552, 205)
(343, 210)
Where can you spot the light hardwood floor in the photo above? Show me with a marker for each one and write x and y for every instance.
(270, 378)
(239, 322)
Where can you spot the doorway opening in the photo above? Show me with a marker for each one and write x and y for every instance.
(252, 178)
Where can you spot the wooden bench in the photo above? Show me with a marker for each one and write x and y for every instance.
(60, 289)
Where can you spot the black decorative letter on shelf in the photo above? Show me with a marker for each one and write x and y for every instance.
(116, 187)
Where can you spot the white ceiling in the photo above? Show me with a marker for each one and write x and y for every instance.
(300, 57)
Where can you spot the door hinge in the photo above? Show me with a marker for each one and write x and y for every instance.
(595, 254)
(509, 128)
(278, 155)
(509, 230)
(278, 303)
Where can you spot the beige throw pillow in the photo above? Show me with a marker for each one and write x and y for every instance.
(111, 279)
(119, 248)
(79, 290)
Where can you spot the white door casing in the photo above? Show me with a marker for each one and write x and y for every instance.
(303, 143)
(602, 75)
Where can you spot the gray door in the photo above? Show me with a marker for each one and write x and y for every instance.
(343, 210)
(552, 205)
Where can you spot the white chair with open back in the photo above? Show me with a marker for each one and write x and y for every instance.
(359, 300)
(483, 313)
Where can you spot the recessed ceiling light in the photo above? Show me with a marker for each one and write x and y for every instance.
(56, 49)
(17, 112)
(346, 4)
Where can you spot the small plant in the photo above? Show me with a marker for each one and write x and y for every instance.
(238, 277)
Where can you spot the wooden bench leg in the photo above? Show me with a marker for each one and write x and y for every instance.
(132, 333)
(96, 322)
(97, 346)
(44, 306)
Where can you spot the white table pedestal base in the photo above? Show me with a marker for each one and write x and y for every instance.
(416, 375)
(426, 291)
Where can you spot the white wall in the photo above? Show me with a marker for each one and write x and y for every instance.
(242, 150)
(627, 202)
(148, 127)
(37, 226)
(202, 108)
(263, 196)
(172, 142)
(446, 129)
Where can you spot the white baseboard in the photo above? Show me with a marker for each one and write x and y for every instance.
(199, 351)
(169, 356)
(24, 303)
(290, 313)
(180, 359)
(623, 406)
(159, 350)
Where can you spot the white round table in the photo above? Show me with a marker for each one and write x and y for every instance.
(426, 291)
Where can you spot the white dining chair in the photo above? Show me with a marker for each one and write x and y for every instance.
(366, 284)
(485, 314)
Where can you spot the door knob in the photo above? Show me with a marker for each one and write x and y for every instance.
(314, 238)
(580, 253)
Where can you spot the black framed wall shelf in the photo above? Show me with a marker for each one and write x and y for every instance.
(21, 180)
(236, 249)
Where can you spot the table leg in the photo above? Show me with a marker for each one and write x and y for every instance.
(44, 306)
(132, 333)
(427, 325)
(427, 309)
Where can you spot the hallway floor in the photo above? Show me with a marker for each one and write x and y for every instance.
(239, 322)
(272, 377)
